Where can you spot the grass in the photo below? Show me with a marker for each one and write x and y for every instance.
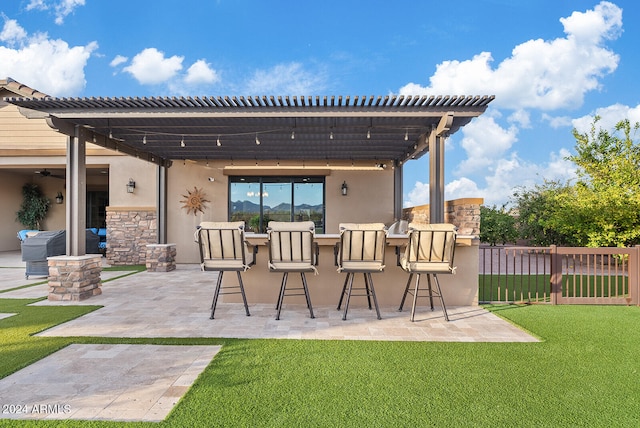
(537, 288)
(584, 373)
(514, 288)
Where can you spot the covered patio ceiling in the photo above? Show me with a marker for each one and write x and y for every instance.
(162, 130)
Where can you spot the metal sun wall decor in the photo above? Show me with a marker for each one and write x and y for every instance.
(194, 201)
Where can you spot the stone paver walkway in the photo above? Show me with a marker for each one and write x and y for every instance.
(111, 382)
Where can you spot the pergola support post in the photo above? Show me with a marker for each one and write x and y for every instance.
(437, 139)
(436, 179)
(397, 191)
(161, 202)
(76, 193)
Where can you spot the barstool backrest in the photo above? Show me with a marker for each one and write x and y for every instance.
(431, 247)
(362, 247)
(222, 246)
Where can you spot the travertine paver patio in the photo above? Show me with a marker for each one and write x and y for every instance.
(176, 304)
(111, 382)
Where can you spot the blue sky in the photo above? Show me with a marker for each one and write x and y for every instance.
(552, 64)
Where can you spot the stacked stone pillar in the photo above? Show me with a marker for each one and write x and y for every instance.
(74, 278)
(161, 257)
(129, 231)
(464, 213)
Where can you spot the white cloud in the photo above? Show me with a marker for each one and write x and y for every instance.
(609, 117)
(61, 8)
(419, 195)
(512, 172)
(557, 121)
(37, 5)
(484, 141)
(64, 8)
(150, 67)
(288, 79)
(119, 59)
(12, 32)
(521, 118)
(461, 188)
(51, 66)
(201, 72)
(540, 74)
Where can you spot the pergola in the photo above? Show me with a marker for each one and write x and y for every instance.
(392, 128)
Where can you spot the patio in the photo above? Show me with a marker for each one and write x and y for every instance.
(176, 304)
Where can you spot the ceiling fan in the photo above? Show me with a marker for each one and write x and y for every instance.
(46, 173)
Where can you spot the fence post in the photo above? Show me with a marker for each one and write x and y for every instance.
(556, 274)
(634, 277)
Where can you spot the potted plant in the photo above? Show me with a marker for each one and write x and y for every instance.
(34, 207)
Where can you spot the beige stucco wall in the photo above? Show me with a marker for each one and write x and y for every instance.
(369, 199)
(11, 197)
(144, 175)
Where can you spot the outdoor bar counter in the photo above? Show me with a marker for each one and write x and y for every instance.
(262, 286)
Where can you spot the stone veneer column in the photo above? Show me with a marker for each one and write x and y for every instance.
(74, 278)
(129, 231)
(161, 257)
(464, 213)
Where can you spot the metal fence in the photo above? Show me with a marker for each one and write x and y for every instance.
(558, 275)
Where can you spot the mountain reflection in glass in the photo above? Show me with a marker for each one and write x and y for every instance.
(258, 200)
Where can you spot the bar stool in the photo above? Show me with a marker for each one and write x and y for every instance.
(292, 249)
(430, 251)
(222, 249)
(360, 250)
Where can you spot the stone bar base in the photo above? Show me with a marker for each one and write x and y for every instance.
(161, 257)
(74, 278)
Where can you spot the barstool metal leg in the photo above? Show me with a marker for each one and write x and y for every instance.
(215, 294)
(367, 288)
(244, 297)
(430, 290)
(344, 289)
(415, 298)
(406, 290)
(281, 297)
(373, 293)
(444, 308)
(306, 294)
(350, 276)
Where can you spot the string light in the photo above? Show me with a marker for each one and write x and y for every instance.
(218, 142)
(182, 142)
(293, 135)
(406, 135)
(368, 133)
(144, 139)
(257, 140)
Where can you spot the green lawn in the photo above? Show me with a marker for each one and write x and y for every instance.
(513, 288)
(537, 288)
(584, 373)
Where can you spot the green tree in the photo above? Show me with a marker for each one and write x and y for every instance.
(539, 210)
(34, 207)
(607, 193)
(602, 208)
(497, 225)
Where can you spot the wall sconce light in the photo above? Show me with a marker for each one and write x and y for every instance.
(59, 198)
(131, 185)
(344, 188)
